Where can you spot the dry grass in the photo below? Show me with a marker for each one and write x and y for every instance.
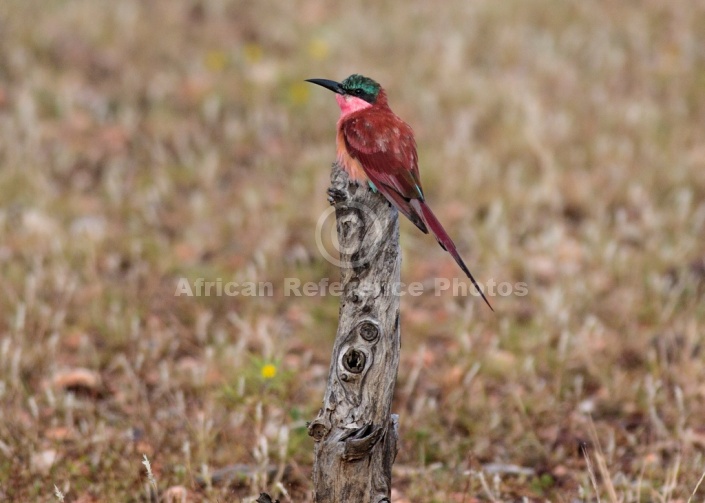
(140, 142)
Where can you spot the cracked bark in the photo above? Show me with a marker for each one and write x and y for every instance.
(355, 433)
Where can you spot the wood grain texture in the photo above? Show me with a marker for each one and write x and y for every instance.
(355, 432)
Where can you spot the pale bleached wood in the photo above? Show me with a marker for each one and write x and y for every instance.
(355, 433)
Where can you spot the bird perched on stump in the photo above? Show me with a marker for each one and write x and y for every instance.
(377, 147)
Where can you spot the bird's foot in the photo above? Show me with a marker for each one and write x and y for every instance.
(335, 195)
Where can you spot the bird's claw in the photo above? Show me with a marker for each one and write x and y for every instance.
(335, 195)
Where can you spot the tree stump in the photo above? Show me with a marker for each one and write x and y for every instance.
(355, 433)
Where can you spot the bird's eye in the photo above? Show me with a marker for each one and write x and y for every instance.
(357, 92)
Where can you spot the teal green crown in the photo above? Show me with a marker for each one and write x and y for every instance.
(361, 87)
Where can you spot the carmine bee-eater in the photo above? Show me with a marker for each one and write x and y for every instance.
(376, 146)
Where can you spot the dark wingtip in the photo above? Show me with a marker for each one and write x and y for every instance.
(467, 272)
(488, 304)
(477, 287)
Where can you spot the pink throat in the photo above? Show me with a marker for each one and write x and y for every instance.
(350, 104)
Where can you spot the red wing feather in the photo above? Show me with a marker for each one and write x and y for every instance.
(385, 147)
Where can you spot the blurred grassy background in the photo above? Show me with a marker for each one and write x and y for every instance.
(561, 143)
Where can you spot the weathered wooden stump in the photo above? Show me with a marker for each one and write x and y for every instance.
(355, 432)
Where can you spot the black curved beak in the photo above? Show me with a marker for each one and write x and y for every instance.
(328, 84)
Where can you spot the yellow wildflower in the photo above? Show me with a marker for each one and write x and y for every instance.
(318, 49)
(299, 93)
(253, 52)
(269, 371)
(216, 61)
